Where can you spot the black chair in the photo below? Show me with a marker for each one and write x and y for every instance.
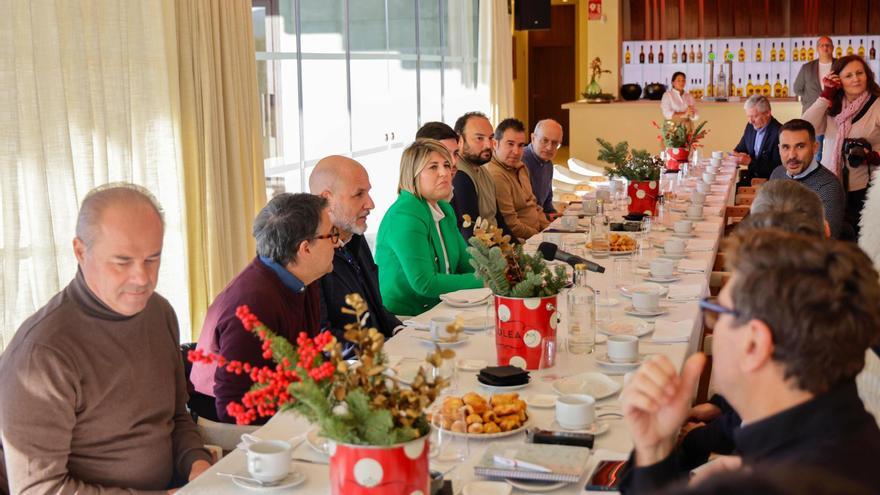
(199, 405)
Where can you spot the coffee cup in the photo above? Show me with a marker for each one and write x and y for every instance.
(708, 177)
(623, 348)
(575, 411)
(715, 162)
(698, 198)
(645, 300)
(268, 460)
(662, 268)
(718, 154)
(683, 227)
(673, 246)
(695, 211)
(439, 327)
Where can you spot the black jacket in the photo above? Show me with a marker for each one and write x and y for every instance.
(767, 159)
(465, 201)
(354, 271)
(831, 432)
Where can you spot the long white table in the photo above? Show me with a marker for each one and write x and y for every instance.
(615, 443)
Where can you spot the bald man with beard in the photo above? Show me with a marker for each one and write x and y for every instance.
(346, 186)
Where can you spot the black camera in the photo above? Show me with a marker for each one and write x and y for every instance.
(856, 151)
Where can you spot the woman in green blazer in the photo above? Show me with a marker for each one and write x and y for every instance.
(419, 249)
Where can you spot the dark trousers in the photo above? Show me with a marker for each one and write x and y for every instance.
(855, 201)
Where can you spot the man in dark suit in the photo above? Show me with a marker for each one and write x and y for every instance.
(759, 146)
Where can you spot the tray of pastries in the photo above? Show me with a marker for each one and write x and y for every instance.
(475, 416)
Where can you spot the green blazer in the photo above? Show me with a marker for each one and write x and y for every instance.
(412, 272)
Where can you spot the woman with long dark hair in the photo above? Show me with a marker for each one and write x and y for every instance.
(678, 105)
(848, 114)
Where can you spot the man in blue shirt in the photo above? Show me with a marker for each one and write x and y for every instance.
(538, 157)
(759, 146)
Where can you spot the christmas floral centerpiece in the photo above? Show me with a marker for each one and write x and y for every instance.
(639, 168)
(679, 138)
(525, 290)
(353, 403)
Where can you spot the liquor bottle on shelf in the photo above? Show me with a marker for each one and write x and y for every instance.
(804, 52)
(849, 48)
(741, 56)
(773, 52)
(699, 54)
(628, 55)
(651, 54)
(693, 85)
(642, 55)
(777, 88)
(710, 90)
(739, 87)
(726, 51)
(758, 55)
(711, 52)
(674, 55)
(795, 54)
(861, 51)
(660, 55)
(767, 89)
(782, 51)
(699, 88)
(838, 51)
(811, 54)
(872, 54)
(750, 88)
(692, 55)
(785, 89)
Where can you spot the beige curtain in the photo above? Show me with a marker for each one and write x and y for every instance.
(496, 58)
(87, 98)
(220, 127)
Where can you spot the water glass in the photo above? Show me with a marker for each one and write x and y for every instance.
(622, 271)
(446, 446)
(603, 310)
(599, 236)
(548, 359)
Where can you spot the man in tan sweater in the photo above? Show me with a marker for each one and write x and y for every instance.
(513, 187)
(92, 391)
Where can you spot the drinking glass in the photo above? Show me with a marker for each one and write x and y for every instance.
(622, 271)
(446, 445)
(603, 310)
(601, 245)
(548, 359)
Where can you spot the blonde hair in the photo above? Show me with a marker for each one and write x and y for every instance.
(414, 159)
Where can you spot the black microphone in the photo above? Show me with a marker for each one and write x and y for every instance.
(551, 251)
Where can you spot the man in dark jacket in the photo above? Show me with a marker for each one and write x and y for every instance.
(791, 328)
(346, 186)
(759, 146)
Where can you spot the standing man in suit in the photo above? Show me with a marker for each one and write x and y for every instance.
(808, 84)
(758, 149)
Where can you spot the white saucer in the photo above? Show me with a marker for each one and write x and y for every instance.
(496, 388)
(535, 486)
(293, 479)
(688, 235)
(627, 290)
(471, 364)
(661, 280)
(629, 326)
(693, 219)
(611, 367)
(541, 401)
(597, 428)
(476, 324)
(630, 310)
(462, 338)
(673, 256)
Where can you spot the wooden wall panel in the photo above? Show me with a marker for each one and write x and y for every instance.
(825, 20)
(710, 19)
(842, 16)
(859, 23)
(873, 16)
(672, 17)
(776, 19)
(691, 19)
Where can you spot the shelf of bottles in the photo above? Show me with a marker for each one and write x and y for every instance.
(765, 66)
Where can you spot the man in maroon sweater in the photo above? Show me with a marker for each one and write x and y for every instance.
(295, 243)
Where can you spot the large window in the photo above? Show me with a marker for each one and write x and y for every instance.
(358, 78)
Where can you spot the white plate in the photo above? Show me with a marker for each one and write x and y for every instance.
(487, 436)
(486, 488)
(496, 388)
(645, 314)
(661, 280)
(317, 442)
(627, 290)
(293, 479)
(471, 364)
(591, 383)
(690, 234)
(618, 368)
(476, 324)
(596, 429)
(535, 486)
(541, 401)
(628, 326)
(462, 338)
(609, 301)
(673, 256)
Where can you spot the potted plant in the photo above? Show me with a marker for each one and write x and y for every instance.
(593, 93)
(525, 291)
(639, 168)
(376, 427)
(679, 138)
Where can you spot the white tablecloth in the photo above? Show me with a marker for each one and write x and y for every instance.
(615, 443)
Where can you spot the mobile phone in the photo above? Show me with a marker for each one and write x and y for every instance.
(554, 437)
(607, 475)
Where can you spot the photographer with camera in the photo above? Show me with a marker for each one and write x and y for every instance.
(848, 113)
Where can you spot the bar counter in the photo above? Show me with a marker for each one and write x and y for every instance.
(631, 121)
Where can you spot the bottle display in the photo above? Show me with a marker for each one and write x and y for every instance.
(861, 50)
(651, 54)
(773, 53)
(628, 55)
(777, 88)
(699, 54)
(804, 52)
(849, 48)
(758, 54)
(767, 89)
(795, 55)
(739, 87)
(711, 52)
(785, 89)
(692, 56)
(811, 54)
(782, 51)
(674, 55)
(750, 88)
(726, 51)
(642, 56)
(741, 55)
(660, 55)
(872, 54)
(838, 51)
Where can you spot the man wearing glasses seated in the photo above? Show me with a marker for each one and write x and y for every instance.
(538, 157)
(295, 245)
(791, 328)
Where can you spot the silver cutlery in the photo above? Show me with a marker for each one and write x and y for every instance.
(248, 478)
